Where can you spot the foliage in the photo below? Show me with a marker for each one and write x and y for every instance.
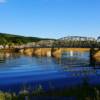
(8, 39)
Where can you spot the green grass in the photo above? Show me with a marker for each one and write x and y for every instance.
(83, 92)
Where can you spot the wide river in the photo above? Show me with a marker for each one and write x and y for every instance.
(18, 72)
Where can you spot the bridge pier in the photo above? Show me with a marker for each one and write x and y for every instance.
(92, 59)
(57, 52)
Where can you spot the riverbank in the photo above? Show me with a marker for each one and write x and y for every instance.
(84, 92)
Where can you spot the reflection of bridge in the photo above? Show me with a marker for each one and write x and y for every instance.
(57, 52)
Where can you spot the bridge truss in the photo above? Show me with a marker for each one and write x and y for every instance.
(82, 42)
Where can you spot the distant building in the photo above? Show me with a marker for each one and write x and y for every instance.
(98, 39)
(47, 43)
(32, 44)
(1, 47)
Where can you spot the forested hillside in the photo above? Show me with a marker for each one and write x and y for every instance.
(16, 39)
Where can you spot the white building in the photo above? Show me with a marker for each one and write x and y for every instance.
(1, 47)
(98, 39)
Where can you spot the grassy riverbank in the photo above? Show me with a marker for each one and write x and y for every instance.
(84, 92)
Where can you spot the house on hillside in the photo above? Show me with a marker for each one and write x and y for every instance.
(1, 47)
(45, 43)
(31, 44)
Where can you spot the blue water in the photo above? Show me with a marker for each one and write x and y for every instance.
(19, 71)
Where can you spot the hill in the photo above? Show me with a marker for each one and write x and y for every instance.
(17, 39)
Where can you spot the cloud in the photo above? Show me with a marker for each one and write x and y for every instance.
(2, 1)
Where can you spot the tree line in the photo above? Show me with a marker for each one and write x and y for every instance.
(8, 39)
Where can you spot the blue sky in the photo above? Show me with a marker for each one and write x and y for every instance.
(50, 18)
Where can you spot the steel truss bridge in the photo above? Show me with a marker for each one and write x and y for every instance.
(77, 42)
(66, 42)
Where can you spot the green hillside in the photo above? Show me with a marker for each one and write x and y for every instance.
(16, 39)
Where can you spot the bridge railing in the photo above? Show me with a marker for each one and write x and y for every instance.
(65, 44)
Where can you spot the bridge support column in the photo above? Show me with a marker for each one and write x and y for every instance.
(56, 52)
(92, 59)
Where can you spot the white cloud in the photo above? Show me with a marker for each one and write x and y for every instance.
(2, 1)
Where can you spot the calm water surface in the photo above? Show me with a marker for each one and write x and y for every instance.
(19, 71)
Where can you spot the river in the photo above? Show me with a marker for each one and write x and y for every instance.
(18, 72)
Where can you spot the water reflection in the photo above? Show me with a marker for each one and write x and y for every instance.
(4, 56)
(17, 70)
(74, 59)
(67, 60)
